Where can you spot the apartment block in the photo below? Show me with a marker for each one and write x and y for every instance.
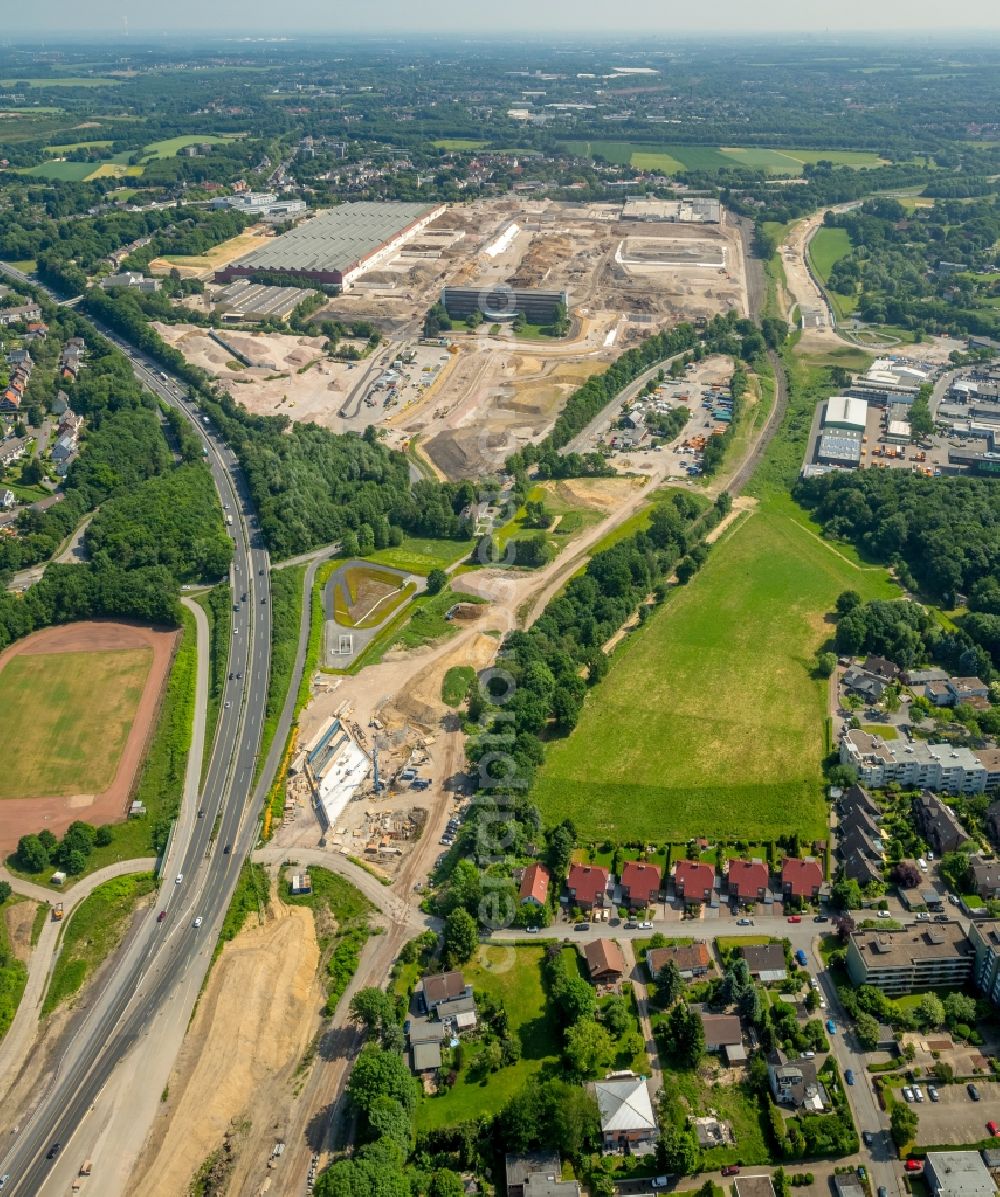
(937, 955)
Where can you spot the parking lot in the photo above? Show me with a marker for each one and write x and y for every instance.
(955, 1117)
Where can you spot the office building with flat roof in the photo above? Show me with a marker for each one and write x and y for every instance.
(932, 956)
(938, 767)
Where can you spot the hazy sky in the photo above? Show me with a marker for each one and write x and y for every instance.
(568, 17)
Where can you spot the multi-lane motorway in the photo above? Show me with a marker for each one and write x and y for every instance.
(203, 869)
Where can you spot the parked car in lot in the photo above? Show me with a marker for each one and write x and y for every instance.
(932, 1093)
(907, 1094)
(918, 1093)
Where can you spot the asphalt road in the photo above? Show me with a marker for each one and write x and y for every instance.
(206, 864)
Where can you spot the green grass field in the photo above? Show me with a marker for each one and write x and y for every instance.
(69, 715)
(673, 159)
(417, 555)
(457, 143)
(827, 247)
(68, 172)
(92, 932)
(171, 145)
(709, 721)
(76, 145)
(456, 684)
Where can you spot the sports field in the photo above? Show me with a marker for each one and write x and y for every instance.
(69, 715)
(709, 721)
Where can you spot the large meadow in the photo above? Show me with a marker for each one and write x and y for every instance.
(711, 720)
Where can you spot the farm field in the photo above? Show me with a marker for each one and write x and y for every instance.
(673, 159)
(67, 172)
(70, 714)
(457, 143)
(63, 81)
(709, 721)
(76, 145)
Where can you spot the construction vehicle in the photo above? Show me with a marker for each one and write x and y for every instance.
(57, 912)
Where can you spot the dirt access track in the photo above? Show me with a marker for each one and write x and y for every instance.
(21, 816)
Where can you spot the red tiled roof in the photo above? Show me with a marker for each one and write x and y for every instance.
(695, 876)
(587, 882)
(535, 883)
(642, 880)
(687, 957)
(748, 876)
(801, 877)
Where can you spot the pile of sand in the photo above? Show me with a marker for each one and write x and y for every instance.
(253, 1023)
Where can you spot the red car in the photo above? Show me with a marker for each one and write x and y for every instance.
(731, 1170)
(795, 918)
(993, 1129)
(161, 916)
(913, 1165)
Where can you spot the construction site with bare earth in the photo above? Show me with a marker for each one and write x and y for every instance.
(482, 389)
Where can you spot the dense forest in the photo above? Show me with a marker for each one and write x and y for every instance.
(930, 269)
(942, 535)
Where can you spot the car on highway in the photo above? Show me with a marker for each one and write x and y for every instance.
(201, 812)
(197, 922)
(227, 704)
(227, 849)
(161, 916)
(53, 1151)
(849, 1076)
(3, 1181)
(178, 879)
(831, 1026)
(972, 1091)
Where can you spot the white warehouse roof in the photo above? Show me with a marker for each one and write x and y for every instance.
(846, 412)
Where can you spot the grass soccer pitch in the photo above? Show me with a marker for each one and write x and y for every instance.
(66, 719)
(710, 721)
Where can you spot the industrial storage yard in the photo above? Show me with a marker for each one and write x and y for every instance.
(627, 270)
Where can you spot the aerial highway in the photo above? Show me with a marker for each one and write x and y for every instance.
(203, 869)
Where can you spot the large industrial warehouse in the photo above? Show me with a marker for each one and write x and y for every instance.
(335, 246)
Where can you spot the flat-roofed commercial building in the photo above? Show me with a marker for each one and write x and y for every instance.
(958, 1174)
(839, 447)
(499, 302)
(336, 246)
(939, 955)
(244, 301)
